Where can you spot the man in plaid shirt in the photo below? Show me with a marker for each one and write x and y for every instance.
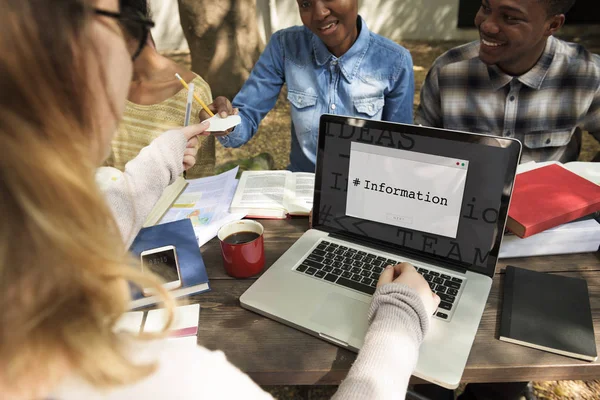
(518, 81)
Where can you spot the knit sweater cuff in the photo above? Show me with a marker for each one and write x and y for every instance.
(398, 307)
(398, 323)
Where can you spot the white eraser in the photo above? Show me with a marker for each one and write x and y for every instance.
(218, 124)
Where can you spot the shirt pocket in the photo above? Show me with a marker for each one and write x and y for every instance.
(303, 110)
(542, 139)
(370, 106)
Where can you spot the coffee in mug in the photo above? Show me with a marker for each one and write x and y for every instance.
(241, 237)
(242, 248)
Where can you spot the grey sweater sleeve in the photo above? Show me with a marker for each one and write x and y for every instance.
(382, 370)
(145, 178)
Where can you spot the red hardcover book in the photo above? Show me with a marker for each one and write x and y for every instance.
(547, 197)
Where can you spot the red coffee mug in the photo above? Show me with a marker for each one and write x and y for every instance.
(242, 247)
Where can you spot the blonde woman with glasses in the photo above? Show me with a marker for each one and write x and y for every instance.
(64, 270)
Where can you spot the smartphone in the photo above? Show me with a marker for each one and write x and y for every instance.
(163, 262)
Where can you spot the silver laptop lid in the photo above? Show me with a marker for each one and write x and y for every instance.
(438, 195)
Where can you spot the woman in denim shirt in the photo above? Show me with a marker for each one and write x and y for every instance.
(333, 64)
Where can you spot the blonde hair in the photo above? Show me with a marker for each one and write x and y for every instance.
(63, 266)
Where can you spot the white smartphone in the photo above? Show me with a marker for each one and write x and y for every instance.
(163, 262)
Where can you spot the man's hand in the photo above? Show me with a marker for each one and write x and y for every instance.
(220, 106)
(406, 274)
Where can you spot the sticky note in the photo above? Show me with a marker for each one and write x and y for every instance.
(218, 124)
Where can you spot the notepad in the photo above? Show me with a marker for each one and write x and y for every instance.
(185, 321)
(548, 312)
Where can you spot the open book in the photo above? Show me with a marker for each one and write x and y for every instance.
(274, 194)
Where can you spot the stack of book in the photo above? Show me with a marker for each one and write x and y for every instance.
(555, 209)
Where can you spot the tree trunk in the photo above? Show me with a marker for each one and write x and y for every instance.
(224, 41)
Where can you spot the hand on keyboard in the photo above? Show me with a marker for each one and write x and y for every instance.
(406, 274)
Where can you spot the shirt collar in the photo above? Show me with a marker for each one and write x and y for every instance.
(351, 60)
(532, 78)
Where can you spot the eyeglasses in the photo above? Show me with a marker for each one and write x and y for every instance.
(136, 26)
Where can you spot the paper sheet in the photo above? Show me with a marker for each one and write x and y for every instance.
(209, 231)
(218, 124)
(130, 322)
(186, 342)
(185, 321)
(206, 203)
(586, 169)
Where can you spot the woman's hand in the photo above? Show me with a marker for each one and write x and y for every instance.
(191, 134)
(406, 274)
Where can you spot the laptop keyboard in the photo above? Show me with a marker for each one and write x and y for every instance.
(360, 271)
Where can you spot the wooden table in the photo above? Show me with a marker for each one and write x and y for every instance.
(275, 354)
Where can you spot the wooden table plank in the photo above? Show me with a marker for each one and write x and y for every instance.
(281, 234)
(275, 354)
(492, 360)
(270, 352)
(555, 263)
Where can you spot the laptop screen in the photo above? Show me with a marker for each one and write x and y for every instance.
(426, 192)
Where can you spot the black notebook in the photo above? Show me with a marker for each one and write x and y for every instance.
(548, 312)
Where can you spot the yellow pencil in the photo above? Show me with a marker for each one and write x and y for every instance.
(185, 85)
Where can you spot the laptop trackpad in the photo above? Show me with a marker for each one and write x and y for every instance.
(342, 317)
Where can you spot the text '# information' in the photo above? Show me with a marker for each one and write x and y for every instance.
(407, 189)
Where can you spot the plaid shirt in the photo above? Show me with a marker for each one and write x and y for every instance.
(546, 108)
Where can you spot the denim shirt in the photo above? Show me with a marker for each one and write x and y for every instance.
(373, 79)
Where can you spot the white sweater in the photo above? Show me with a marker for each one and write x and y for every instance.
(398, 320)
(381, 371)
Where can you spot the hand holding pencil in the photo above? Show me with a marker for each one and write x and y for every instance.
(223, 108)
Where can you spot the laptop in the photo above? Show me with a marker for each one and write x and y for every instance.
(387, 193)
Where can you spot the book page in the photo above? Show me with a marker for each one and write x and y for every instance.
(204, 200)
(261, 189)
(302, 186)
(586, 169)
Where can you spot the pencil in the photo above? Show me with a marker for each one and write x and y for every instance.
(188, 106)
(185, 85)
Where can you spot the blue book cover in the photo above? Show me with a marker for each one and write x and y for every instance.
(181, 235)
